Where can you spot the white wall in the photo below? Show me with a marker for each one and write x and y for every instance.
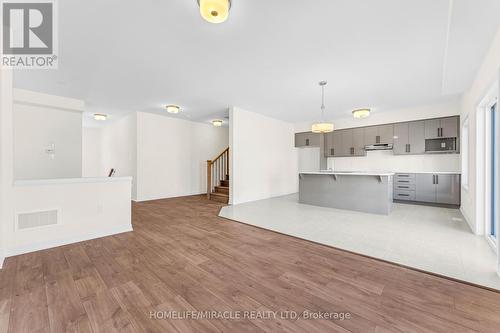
(308, 159)
(89, 208)
(39, 121)
(386, 160)
(119, 149)
(172, 155)
(92, 159)
(264, 162)
(6, 156)
(486, 77)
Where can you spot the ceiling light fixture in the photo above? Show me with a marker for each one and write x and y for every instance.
(361, 113)
(214, 11)
(173, 109)
(217, 122)
(322, 126)
(100, 116)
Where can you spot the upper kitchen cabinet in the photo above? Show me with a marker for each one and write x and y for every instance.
(442, 128)
(345, 142)
(436, 136)
(382, 134)
(307, 139)
(409, 138)
(328, 138)
(450, 127)
(358, 141)
(401, 138)
(442, 135)
(333, 144)
(347, 149)
(336, 148)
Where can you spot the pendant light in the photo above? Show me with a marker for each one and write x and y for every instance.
(322, 126)
(214, 11)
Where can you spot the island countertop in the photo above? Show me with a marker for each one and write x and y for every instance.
(348, 173)
(369, 192)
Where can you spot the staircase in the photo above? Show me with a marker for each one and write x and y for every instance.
(218, 178)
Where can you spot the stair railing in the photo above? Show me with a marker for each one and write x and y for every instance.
(217, 170)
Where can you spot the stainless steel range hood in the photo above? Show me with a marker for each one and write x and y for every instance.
(379, 146)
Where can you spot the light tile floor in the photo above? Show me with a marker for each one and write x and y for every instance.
(433, 239)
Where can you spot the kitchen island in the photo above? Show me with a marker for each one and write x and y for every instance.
(369, 192)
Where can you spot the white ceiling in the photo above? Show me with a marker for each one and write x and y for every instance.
(124, 56)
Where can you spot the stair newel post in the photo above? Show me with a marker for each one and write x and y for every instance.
(209, 178)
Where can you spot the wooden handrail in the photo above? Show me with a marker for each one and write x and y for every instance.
(220, 155)
(217, 170)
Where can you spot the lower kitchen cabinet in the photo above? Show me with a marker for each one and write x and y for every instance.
(448, 189)
(428, 187)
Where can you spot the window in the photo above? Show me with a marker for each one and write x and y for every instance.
(465, 154)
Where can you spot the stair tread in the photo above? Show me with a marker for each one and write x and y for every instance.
(219, 194)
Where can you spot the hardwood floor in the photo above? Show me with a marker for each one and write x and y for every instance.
(182, 257)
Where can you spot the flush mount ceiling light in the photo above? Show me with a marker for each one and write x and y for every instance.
(214, 11)
(217, 122)
(100, 116)
(322, 126)
(361, 113)
(173, 109)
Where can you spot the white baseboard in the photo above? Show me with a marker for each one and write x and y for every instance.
(169, 197)
(65, 241)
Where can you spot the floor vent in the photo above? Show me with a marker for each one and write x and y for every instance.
(36, 219)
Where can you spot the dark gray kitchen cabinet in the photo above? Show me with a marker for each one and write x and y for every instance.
(409, 138)
(449, 127)
(351, 142)
(416, 137)
(328, 143)
(386, 133)
(371, 134)
(438, 188)
(401, 138)
(358, 141)
(337, 143)
(379, 134)
(333, 144)
(425, 187)
(436, 136)
(347, 148)
(432, 128)
(442, 128)
(448, 189)
(307, 139)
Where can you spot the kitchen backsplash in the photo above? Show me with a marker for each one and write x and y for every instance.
(386, 161)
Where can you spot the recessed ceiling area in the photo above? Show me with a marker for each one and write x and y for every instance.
(126, 56)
